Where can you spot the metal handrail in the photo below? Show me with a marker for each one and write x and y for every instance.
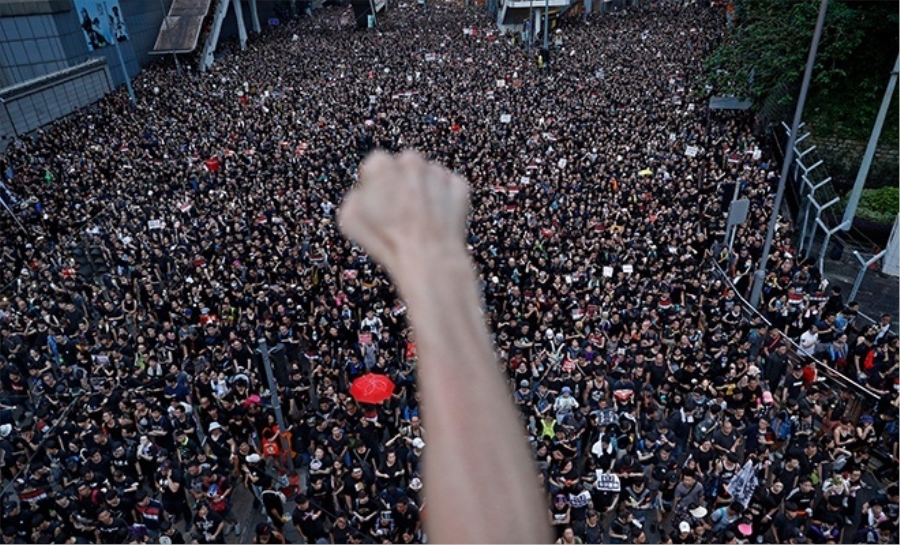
(826, 370)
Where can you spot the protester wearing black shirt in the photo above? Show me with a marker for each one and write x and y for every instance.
(209, 525)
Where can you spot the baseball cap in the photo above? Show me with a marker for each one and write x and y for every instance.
(699, 512)
(418, 443)
(523, 384)
(683, 526)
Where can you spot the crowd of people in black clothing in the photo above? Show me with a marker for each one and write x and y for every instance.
(134, 404)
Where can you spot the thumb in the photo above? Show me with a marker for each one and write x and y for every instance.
(353, 225)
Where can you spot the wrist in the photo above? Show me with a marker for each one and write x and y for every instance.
(416, 262)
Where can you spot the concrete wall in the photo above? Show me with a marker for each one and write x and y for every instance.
(28, 106)
(30, 47)
(47, 71)
(843, 157)
(39, 41)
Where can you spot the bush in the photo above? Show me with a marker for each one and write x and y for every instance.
(880, 205)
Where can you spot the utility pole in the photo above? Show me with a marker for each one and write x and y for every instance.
(530, 26)
(115, 40)
(759, 276)
(263, 351)
(853, 202)
(547, 24)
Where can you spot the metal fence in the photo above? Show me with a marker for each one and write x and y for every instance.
(863, 399)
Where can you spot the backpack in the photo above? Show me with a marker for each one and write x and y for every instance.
(782, 426)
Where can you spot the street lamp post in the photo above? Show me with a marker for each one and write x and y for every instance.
(276, 401)
(547, 24)
(759, 276)
(115, 40)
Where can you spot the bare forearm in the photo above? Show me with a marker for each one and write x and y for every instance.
(476, 455)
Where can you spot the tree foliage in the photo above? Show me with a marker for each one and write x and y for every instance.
(769, 43)
(879, 205)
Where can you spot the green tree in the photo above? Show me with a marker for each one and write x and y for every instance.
(768, 45)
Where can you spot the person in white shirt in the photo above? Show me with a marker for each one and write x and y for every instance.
(371, 322)
(808, 341)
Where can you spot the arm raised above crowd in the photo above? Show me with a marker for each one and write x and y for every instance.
(410, 215)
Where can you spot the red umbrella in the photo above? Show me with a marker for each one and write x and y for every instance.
(372, 388)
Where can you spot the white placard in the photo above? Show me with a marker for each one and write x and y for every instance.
(505, 118)
(501, 83)
(627, 269)
(607, 272)
(562, 163)
(373, 99)
(691, 151)
(525, 180)
(608, 482)
(155, 224)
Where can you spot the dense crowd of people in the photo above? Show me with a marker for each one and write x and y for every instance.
(134, 405)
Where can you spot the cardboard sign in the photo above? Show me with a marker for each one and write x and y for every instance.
(608, 482)
(100, 359)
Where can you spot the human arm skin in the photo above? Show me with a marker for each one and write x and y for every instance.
(410, 215)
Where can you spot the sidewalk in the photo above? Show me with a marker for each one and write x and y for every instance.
(878, 294)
